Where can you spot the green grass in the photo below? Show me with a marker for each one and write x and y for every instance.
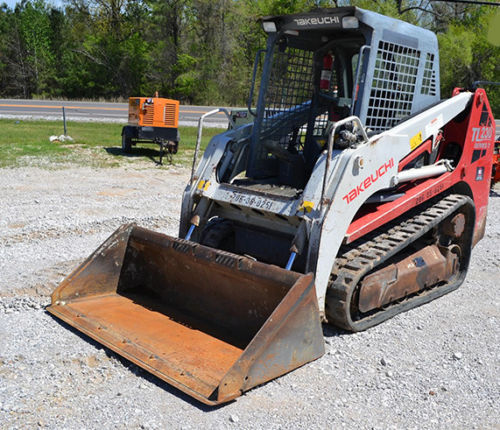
(95, 144)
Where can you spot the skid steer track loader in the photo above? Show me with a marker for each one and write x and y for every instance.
(354, 195)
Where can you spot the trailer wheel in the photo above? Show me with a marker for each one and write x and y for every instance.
(126, 143)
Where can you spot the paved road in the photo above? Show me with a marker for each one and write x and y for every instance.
(105, 112)
(93, 111)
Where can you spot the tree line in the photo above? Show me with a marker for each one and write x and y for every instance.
(198, 51)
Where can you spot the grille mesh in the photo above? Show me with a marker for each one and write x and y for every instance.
(393, 85)
(429, 80)
(290, 87)
(169, 115)
(148, 115)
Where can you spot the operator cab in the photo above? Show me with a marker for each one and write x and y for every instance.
(320, 67)
(306, 84)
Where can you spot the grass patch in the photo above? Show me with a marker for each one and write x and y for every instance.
(25, 143)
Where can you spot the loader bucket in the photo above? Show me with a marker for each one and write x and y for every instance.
(211, 323)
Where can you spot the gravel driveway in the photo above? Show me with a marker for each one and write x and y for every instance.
(434, 367)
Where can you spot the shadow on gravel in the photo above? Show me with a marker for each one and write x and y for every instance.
(138, 371)
(332, 331)
(152, 154)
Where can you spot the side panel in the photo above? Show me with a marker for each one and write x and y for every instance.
(153, 112)
(474, 133)
(380, 158)
(134, 106)
(151, 133)
(403, 72)
(476, 161)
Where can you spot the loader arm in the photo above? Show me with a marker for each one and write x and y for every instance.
(352, 187)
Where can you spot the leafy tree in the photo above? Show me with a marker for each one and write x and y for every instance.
(170, 67)
(27, 58)
(466, 56)
(200, 51)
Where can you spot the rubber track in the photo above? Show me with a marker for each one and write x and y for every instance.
(354, 263)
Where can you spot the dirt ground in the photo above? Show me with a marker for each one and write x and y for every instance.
(433, 367)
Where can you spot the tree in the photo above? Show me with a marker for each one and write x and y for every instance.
(466, 55)
(106, 48)
(28, 62)
(199, 51)
(170, 66)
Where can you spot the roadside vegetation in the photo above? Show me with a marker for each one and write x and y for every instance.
(201, 51)
(25, 143)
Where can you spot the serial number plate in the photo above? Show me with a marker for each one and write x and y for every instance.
(251, 201)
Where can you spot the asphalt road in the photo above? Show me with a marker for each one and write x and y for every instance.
(95, 111)
(104, 112)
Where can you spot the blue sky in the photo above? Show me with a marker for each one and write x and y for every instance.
(12, 3)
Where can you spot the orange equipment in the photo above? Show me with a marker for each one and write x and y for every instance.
(152, 120)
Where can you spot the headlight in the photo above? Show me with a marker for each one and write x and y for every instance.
(269, 26)
(350, 22)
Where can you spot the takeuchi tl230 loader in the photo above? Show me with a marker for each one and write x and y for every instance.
(356, 194)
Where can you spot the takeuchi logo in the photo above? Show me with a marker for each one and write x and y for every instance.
(322, 20)
(368, 181)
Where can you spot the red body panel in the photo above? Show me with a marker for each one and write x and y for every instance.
(496, 164)
(474, 134)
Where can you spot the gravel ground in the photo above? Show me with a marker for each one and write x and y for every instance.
(434, 367)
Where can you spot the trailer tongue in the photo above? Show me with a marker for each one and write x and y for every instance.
(211, 323)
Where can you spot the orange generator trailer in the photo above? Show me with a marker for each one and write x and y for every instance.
(152, 120)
